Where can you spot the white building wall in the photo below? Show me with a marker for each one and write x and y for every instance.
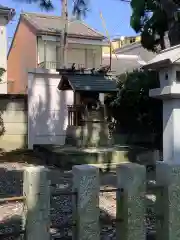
(47, 109)
(3, 54)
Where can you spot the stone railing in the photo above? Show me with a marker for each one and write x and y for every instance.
(130, 202)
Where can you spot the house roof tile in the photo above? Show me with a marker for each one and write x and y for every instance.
(119, 67)
(123, 63)
(54, 24)
(7, 12)
(4, 8)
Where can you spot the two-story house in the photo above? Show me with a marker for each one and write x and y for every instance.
(36, 43)
(6, 15)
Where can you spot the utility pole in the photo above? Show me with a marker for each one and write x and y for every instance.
(110, 55)
(63, 41)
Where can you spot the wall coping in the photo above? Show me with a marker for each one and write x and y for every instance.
(13, 96)
(42, 71)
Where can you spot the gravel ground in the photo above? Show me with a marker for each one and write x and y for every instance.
(11, 213)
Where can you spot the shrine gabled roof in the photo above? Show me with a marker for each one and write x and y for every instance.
(164, 58)
(87, 82)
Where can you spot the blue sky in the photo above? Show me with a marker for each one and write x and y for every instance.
(116, 14)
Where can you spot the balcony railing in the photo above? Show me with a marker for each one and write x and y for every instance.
(49, 65)
(56, 65)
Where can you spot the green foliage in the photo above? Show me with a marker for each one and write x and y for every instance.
(150, 20)
(2, 71)
(133, 109)
(153, 19)
(46, 5)
(80, 8)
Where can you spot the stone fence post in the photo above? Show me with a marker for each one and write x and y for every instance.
(131, 180)
(168, 201)
(86, 211)
(36, 189)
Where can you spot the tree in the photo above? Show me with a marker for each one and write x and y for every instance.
(79, 8)
(153, 19)
(43, 4)
(149, 19)
(133, 109)
(171, 8)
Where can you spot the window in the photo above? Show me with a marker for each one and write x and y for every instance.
(177, 76)
(166, 76)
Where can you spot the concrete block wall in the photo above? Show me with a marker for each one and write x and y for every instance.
(13, 121)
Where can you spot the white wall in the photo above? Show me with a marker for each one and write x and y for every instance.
(87, 55)
(3, 53)
(47, 109)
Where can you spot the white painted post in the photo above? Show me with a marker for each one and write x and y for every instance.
(171, 130)
(37, 192)
(131, 180)
(86, 211)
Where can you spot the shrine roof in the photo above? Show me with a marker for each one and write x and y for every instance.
(88, 82)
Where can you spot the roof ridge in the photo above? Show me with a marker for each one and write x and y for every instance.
(170, 48)
(91, 28)
(41, 15)
(30, 20)
(44, 22)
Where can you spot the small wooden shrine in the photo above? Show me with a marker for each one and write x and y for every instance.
(87, 117)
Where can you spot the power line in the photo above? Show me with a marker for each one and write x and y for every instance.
(127, 1)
